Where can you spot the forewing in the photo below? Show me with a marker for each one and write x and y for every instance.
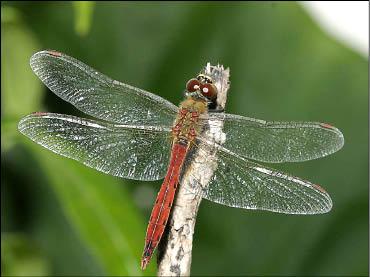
(278, 142)
(98, 95)
(134, 152)
(237, 182)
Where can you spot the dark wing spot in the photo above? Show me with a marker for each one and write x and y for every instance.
(325, 125)
(54, 53)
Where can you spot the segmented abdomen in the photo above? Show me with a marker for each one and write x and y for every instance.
(163, 203)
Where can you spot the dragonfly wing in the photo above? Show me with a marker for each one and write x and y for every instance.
(98, 95)
(277, 142)
(140, 153)
(237, 182)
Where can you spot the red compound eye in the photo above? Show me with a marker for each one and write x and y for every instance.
(208, 90)
(192, 85)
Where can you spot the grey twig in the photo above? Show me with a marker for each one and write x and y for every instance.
(175, 249)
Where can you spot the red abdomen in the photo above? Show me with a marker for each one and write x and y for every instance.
(163, 203)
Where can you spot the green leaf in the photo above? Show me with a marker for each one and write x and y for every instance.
(9, 133)
(83, 16)
(20, 257)
(100, 209)
(21, 91)
(9, 15)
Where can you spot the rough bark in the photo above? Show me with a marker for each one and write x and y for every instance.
(175, 248)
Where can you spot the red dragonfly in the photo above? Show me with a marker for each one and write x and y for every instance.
(142, 136)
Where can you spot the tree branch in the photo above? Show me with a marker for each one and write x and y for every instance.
(174, 250)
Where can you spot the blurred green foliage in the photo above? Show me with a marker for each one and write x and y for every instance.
(20, 257)
(83, 16)
(283, 67)
(17, 44)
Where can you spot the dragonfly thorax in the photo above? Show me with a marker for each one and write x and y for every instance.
(186, 126)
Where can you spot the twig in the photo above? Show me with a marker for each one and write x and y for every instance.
(174, 251)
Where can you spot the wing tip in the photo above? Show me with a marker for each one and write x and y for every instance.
(337, 141)
(328, 202)
(43, 53)
(48, 52)
(21, 124)
(339, 134)
(38, 114)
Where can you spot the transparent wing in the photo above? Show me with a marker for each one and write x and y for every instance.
(278, 142)
(97, 95)
(134, 152)
(236, 182)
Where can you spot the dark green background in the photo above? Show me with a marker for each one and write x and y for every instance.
(58, 217)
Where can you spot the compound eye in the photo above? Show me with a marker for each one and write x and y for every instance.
(208, 90)
(192, 85)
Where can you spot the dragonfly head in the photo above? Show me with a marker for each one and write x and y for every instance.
(201, 87)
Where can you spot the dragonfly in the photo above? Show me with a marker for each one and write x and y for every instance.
(139, 135)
